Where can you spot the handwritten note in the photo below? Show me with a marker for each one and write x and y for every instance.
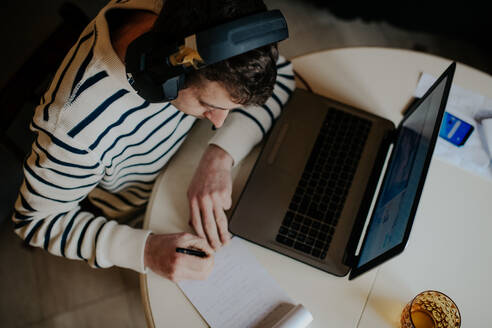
(239, 292)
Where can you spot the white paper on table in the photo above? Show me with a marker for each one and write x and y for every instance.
(297, 317)
(474, 155)
(240, 293)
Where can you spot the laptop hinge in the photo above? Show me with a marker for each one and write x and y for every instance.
(350, 257)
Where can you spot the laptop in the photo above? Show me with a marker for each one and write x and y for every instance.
(336, 187)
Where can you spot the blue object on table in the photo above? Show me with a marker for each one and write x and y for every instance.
(455, 130)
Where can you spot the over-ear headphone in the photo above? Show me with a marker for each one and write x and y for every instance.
(156, 69)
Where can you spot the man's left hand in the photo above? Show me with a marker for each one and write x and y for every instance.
(209, 195)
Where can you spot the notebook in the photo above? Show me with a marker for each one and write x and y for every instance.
(240, 293)
(336, 187)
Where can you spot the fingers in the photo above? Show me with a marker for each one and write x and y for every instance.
(196, 219)
(191, 241)
(227, 201)
(190, 267)
(209, 224)
(162, 258)
(209, 219)
(222, 223)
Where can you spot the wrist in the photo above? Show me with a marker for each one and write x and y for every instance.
(219, 156)
(148, 252)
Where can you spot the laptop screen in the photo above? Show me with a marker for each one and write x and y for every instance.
(396, 204)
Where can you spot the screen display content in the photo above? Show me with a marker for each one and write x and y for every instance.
(400, 187)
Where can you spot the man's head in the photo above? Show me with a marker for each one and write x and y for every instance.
(246, 79)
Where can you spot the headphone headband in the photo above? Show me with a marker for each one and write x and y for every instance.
(156, 70)
(241, 35)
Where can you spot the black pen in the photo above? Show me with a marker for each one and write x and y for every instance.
(191, 252)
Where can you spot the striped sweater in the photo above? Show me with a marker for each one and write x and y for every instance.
(97, 139)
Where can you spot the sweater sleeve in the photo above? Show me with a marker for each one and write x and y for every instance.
(246, 127)
(58, 175)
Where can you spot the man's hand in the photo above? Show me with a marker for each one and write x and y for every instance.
(162, 258)
(209, 194)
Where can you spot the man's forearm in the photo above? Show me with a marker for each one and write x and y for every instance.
(218, 157)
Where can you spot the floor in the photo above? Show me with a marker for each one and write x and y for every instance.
(41, 290)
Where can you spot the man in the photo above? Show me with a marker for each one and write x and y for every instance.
(100, 146)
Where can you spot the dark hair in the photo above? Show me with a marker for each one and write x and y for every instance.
(250, 77)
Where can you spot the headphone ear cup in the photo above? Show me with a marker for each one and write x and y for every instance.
(171, 87)
(149, 72)
(138, 47)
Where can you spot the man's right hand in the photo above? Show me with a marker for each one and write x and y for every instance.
(162, 258)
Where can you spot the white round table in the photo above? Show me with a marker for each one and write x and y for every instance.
(449, 247)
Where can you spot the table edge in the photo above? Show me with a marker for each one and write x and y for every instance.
(403, 50)
(144, 290)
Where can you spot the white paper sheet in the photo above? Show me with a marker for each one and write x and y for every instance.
(298, 317)
(468, 106)
(239, 292)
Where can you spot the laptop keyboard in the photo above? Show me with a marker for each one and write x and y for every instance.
(315, 208)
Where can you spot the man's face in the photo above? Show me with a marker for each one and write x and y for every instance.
(207, 100)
